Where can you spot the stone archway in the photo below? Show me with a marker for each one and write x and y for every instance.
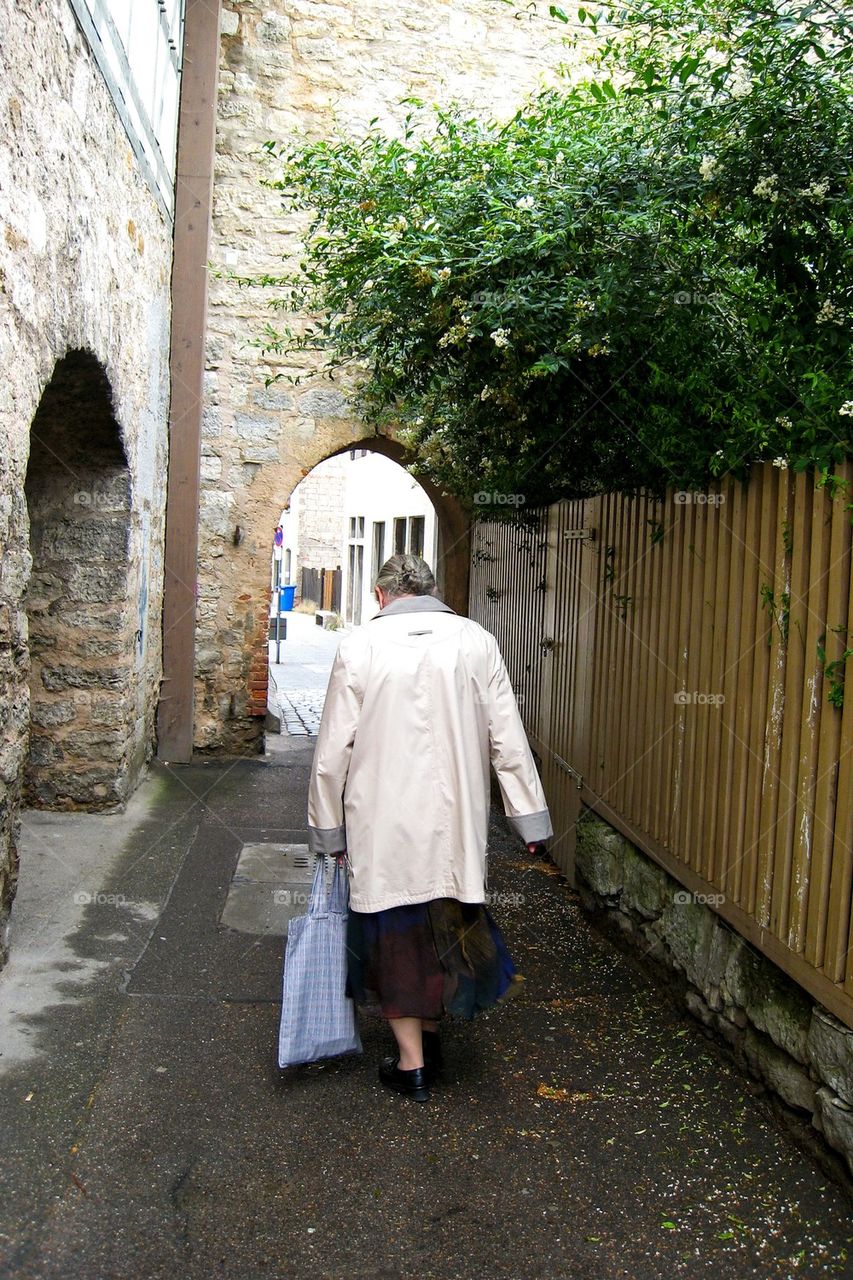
(452, 569)
(258, 437)
(231, 683)
(85, 599)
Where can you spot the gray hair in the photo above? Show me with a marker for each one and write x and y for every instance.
(405, 575)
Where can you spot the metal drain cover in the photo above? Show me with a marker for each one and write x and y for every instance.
(270, 886)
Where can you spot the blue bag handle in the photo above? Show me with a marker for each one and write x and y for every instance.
(339, 892)
(318, 903)
(317, 898)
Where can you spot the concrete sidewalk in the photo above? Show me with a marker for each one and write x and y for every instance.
(585, 1129)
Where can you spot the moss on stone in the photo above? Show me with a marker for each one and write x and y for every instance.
(773, 1002)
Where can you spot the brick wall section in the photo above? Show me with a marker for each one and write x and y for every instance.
(259, 660)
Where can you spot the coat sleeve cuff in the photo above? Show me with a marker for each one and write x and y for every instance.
(327, 839)
(532, 827)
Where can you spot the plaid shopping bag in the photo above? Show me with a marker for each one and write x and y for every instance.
(317, 1018)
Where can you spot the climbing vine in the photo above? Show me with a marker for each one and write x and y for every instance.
(834, 672)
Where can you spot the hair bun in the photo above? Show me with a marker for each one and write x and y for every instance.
(406, 574)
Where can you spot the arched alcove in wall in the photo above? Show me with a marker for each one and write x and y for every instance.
(82, 623)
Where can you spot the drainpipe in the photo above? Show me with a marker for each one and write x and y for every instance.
(193, 200)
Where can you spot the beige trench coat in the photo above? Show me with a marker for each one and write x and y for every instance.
(419, 702)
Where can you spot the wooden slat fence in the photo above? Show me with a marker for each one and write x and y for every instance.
(323, 586)
(674, 665)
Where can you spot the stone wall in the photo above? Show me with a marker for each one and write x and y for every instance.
(82, 624)
(291, 65)
(85, 257)
(321, 516)
(801, 1053)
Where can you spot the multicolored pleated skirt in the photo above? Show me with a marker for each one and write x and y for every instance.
(428, 959)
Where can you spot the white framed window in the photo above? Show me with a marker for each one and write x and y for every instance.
(138, 48)
(417, 527)
(378, 548)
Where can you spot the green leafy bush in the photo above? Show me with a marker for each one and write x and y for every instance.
(639, 280)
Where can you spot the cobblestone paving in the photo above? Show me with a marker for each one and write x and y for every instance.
(300, 712)
(298, 683)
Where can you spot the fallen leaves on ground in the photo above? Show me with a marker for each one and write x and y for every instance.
(561, 1095)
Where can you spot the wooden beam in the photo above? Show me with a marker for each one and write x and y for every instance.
(193, 198)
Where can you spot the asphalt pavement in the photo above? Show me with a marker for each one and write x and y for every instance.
(587, 1128)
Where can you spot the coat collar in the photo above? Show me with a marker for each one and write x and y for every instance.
(414, 604)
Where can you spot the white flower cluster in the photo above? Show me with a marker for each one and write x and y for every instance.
(500, 337)
(828, 312)
(444, 273)
(741, 85)
(781, 463)
(526, 202)
(708, 167)
(454, 336)
(815, 190)
(766, 187)
(486, 392)
(411, 167)
(784, 421)
(846, 409)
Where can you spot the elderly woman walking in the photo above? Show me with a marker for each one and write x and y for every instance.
(419, 704)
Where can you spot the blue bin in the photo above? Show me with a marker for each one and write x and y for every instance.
(285, 598)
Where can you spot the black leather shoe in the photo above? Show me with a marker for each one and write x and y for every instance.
(412, 1084)
(433, 1061)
